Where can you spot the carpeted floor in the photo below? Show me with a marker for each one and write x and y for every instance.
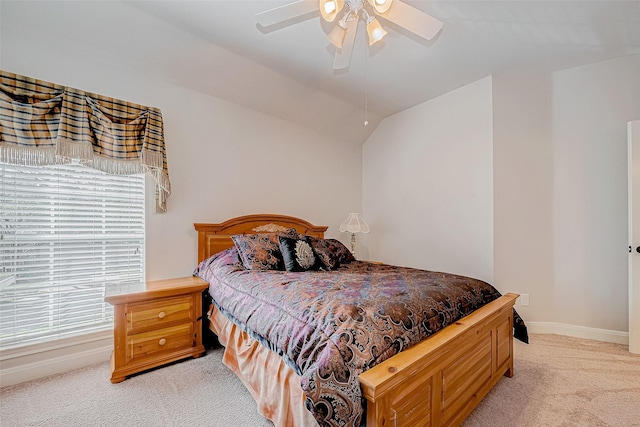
(559, 381)
(563, 381)
(195, 392)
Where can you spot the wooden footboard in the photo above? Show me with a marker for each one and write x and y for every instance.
(439, 381)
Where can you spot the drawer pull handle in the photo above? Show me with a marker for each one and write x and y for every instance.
(161, 315)
(162, 341)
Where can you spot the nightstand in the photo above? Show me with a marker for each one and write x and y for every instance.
(155, 324)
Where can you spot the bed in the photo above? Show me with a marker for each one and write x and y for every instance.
(292, 371)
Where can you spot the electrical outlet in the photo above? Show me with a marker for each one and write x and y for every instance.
(524, 300)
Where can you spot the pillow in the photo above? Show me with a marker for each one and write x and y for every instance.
(331, 252)
(261, 251)
(340, 251)
(324, 252)
(298, 254)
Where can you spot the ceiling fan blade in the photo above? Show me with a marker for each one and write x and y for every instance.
(414, 20)
(343, 56)
(288, 11)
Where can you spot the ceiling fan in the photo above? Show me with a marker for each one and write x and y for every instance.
(342, 36)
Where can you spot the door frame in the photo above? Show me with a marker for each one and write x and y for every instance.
(633, 173)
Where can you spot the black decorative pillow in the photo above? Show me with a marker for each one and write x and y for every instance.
(298, 254)
(325, 252)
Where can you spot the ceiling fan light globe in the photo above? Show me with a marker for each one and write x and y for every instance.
(380, 6)
(375, 31)
(336, 36)
(329, 9)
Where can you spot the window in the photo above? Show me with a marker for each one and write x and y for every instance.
(66, 234)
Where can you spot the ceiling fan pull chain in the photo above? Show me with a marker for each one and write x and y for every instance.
(366, 88)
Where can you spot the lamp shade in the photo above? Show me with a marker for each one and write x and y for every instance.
(375, 30)
(329, 9)
(336, 36)
(354, 224)
(381, 6)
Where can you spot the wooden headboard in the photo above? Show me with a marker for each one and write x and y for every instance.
(213, 238)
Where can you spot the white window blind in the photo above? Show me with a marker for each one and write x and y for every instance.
(66, 233)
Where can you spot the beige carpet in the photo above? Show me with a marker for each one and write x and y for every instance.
(564, 381)
(195, 392)
(559, 381)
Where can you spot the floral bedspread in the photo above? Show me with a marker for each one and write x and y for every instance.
(330, 326)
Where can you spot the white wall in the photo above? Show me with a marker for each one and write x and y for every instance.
(224, 160)
(559, 191)
(227, 160)
(523, 190)
(428, 185)
(591, 107)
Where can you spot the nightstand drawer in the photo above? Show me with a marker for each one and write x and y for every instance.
(150, 343)
(157, 314)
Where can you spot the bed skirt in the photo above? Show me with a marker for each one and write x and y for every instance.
(274, 385)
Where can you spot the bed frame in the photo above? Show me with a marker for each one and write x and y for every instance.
(435, 383)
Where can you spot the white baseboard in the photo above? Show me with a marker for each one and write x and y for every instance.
(26, 364)
(606, 335)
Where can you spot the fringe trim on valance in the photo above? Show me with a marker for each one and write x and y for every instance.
(153, 165)
(114, 167)
(70, 150)
(152, 160)
(28, 156)
(67, 151)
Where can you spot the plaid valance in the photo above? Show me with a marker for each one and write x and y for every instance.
(43, 123)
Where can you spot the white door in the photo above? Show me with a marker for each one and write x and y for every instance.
(633, 130)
